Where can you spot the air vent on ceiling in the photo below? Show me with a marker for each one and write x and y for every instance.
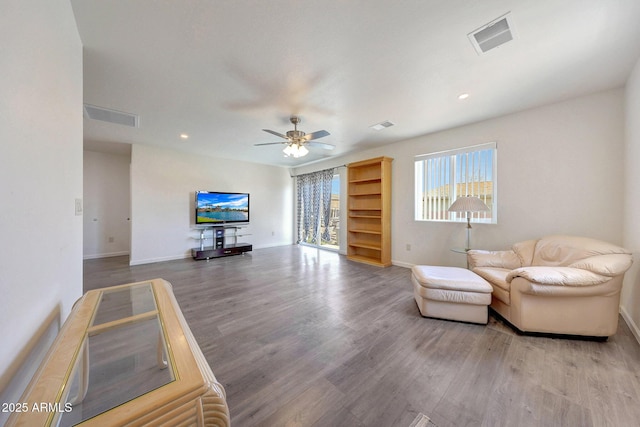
(491, 35)
(382, 125)
(111, 116)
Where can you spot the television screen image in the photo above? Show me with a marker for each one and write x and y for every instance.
(221, 208)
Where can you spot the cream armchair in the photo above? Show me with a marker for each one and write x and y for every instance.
(557, 284)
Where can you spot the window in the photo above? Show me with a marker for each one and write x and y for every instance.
(444, 176)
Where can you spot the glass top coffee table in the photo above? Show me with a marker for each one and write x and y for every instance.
(125, 354)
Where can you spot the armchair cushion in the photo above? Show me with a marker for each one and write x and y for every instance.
(499, 259)
(557, 276)
(494, 275)
(607, 265)
(497, 278)
(524, 251)
(565, 250)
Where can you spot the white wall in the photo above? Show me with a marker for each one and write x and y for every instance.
(106, 204)
(40, 171)
(163, 183)
(631, 288)
(559, 171)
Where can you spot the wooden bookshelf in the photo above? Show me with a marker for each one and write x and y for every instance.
(369, 211)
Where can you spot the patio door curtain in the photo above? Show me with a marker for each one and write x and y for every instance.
(313, 203)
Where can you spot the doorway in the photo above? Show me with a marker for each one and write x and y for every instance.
(318, 210)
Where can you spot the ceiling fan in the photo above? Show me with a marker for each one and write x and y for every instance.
(296, 140)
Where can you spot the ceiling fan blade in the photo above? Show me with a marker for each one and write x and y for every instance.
(275, 133)
(271, 143)
(316, 135)
(321, 145)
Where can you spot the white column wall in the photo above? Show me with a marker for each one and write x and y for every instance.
(630, 306)
(40, 173)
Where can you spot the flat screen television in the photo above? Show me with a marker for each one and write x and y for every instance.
(217, 208)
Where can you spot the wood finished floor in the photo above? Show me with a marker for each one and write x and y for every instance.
(302, 337)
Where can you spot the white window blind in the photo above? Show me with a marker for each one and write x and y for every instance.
(442, 177)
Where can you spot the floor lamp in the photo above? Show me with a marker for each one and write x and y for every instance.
(468, 204)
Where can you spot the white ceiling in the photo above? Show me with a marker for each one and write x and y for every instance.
(221, 71)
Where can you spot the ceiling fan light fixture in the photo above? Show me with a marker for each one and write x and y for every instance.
(295, 140)
(295, 150)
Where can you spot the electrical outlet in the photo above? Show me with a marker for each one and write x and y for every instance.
(78, 207)
(111, 239)
(408, 247)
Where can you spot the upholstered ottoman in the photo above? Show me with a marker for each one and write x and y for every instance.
(451, 293)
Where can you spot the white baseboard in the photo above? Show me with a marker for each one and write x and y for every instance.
(271, 245)
(105, 255)
(632, 325)
(402, 264)
(159, 259)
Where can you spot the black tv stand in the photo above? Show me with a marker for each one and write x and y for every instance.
(222, 244)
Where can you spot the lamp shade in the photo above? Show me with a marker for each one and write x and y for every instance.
(468, 204)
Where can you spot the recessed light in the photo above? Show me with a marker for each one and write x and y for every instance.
(184, 136)
(463, 96)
